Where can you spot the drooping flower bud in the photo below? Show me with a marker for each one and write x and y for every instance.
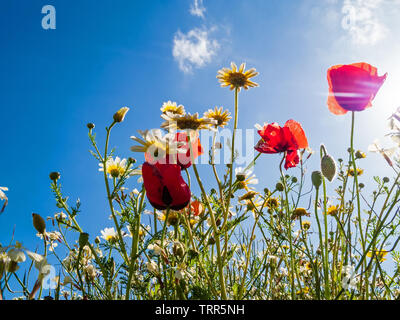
(328, 167)
(39, 223)
(316, 178)
(119, 116)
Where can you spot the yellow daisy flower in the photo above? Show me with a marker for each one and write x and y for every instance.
(222, 118)
(350, 172)
(184, 122)
(237, 78)
(300, 212)
(272, 203)
(305, 225)
(380, 254)
(172, 107)
(333, 210)
(248, 196)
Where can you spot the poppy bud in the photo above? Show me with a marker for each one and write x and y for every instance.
(119, 116)
(279, 186)
(385, 179)
(54, 176)
(328, 167)
(83, 239)
(316, 178)
(39, 223)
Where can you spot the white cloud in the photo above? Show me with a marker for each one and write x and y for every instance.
(194, 49)
(197, 8)
(362, 21)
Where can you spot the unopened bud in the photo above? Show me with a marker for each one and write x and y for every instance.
(90, 126)
(39, 223)
(54, 176)
(328, 167)
(316, 178)
(279, 186)
(83, 239)
(119, 116)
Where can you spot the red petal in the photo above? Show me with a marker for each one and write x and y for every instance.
(152, 183)
(352, 87)
(292, 159)
(165, 186)
(298, 133)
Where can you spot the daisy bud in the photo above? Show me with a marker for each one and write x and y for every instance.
(119, 116)
(279, 186)
(385, 179)
(39, 223)
(328, 167)
(90, 126)
(54, 176)
(316, 178)
(83, 239)
(97, 240)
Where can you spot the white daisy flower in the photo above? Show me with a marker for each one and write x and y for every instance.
(115, 168)
(109, 234)
(349, 280)
(245, 178)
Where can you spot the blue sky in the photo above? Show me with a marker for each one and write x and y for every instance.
(107, 54)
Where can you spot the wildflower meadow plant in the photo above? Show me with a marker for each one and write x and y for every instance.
(229, 242)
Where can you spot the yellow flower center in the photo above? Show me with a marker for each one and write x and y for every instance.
(237, 79)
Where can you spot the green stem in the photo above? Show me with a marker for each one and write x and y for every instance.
(120, 238)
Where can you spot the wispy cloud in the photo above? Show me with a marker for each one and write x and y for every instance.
(194, 49)
(361, 19)
(197, 8)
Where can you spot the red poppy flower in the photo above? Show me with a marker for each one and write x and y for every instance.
(289, 139)
(183, 159)
(197, 208)
(353, 87)
(165, 187)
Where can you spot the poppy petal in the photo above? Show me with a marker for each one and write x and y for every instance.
(292, 159)
(165, 186)
(298, 133)
(353, 87)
